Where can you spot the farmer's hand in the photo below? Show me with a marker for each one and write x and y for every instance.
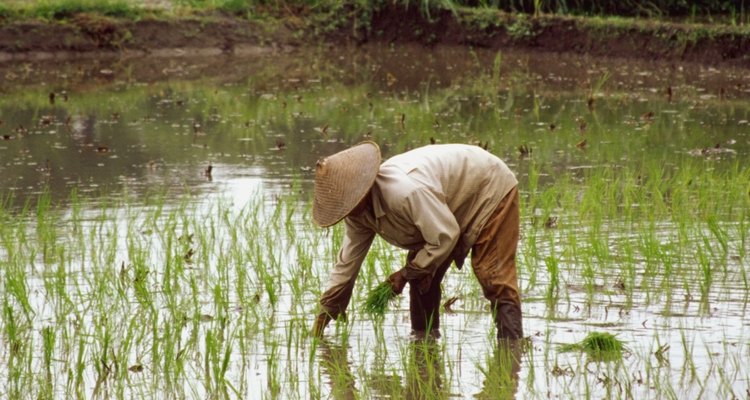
(397, 282)
(321, 321)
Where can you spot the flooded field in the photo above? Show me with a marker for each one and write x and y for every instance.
(156, 237)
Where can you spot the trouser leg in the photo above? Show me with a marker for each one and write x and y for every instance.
(425, 308)
(494, 262)
(508, 320)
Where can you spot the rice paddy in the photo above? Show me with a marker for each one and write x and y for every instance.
(132, 269)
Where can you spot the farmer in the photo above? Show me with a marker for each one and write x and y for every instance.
(438, 202)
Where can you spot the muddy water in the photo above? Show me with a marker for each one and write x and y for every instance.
(102, 127)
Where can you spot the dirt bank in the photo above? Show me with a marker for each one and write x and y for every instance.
(88, 34)
(710, 44)
(92, 34)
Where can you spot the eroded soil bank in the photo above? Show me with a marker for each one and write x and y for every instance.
(87, 34)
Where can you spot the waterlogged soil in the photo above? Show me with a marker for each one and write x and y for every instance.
(225, 133)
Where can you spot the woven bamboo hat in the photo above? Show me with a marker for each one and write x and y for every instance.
(342, 180)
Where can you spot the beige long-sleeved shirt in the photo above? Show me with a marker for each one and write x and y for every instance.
(433, 201)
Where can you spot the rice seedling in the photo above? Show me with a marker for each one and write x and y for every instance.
(377, 300)
(599, 346)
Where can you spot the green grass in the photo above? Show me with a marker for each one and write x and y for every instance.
(65, 9)
(718, 11)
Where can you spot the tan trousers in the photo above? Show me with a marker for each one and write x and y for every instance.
(493, 259)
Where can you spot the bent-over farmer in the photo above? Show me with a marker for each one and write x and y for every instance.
(439, 202)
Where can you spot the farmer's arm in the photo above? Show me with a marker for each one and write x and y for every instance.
(357, 241)
(440, 231)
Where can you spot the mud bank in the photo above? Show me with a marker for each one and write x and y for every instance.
(93, 35)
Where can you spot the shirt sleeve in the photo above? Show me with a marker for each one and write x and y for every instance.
(356, 244)
(439, 229)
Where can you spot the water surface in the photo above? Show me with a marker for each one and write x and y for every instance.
(88, 134)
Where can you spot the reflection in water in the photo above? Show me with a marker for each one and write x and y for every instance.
(334, 361)
(501, 371)
(280, 113)
(423, 372)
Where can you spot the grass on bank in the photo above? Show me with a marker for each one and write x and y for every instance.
(64, 9)
(715, 11)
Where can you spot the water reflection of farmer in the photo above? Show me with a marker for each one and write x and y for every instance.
(439, 202)
(501, 372)
(335, 364)
(423, 373)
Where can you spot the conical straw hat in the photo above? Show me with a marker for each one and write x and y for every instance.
(342, 180)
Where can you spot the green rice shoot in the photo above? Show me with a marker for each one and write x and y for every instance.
(377, 299)
(599, 345)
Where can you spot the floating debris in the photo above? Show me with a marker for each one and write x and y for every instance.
(447, 306)
(390, 79)
(648, 117)
(322, 130)
(136, 368)
(524, 150)
(582, 124)
(711, 151)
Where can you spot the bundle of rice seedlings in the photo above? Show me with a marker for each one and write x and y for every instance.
(377, 299)
(599, 345)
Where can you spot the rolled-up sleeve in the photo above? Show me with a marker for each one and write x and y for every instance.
(439, 229)
(357, 241)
